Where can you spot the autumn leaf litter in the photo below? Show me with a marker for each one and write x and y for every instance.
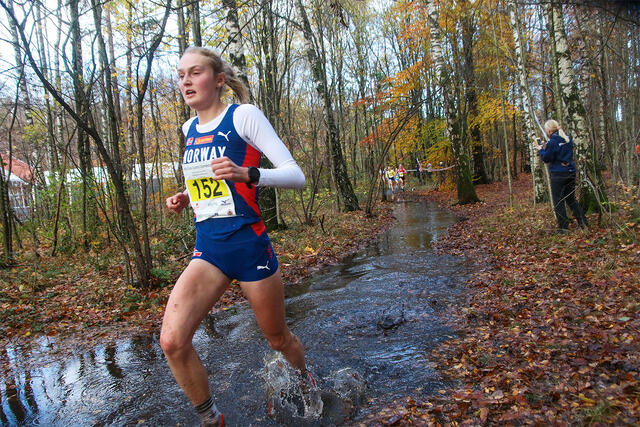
(549, 332)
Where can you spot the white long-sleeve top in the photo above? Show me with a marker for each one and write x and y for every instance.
(254, 128)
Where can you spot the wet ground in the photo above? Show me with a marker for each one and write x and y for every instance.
(378, 313)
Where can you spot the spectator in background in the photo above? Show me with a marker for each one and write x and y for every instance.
(557, 152)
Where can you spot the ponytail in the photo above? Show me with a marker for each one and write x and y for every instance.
(563, 135)
(552, 126)
(236, 85)
(220, 66)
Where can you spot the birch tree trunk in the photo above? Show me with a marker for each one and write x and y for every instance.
(234, 39)
(555, 74)
(339, 167)
(540, 194)
(589, 177)
(464, 183)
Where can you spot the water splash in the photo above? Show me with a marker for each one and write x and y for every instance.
(286, 402)
(349, 385)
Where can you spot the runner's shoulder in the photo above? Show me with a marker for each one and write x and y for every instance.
(186, 125)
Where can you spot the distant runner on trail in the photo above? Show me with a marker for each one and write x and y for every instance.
(391, 176)
(401, 173)
(220, 163)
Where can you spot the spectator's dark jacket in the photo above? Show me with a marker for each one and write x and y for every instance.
(559, 154)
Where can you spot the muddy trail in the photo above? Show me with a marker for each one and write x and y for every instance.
(367, 324)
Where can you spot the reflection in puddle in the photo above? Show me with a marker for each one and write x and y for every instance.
(376, 314)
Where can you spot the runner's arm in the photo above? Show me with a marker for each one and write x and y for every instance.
(255, 129)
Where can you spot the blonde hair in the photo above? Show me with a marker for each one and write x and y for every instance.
(551, 126)
(220, 66)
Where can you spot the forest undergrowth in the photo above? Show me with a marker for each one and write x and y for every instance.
(549, 333)
(84, 298)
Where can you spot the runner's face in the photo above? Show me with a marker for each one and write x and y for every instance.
(199, 86)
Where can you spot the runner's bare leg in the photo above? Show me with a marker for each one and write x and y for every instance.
(267, 301)
(196, 291)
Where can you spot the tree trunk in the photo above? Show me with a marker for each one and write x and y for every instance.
(5, 205)
(605, 120)
(22, 81)
(194, 9)
(142, 86)
(464, 183)
(129, 147)
(589, 177)
(82, 108)
(53, 152)
(504, 115)
(540, 195)
(114, 69)
(339, 167)
(183, 35)
(555, 73)
(183, 109)
(234, 38)
(469, 76)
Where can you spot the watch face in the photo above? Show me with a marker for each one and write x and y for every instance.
(254, 175)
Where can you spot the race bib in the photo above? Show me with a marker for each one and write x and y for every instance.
(210, 197)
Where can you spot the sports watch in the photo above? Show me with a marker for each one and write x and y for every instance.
(254, 175)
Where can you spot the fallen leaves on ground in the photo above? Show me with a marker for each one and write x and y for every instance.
(550, 331)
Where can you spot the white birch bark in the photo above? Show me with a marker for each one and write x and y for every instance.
(235, 46)
(466, 191)
(540, 194)
(574, 110)
(575, 119)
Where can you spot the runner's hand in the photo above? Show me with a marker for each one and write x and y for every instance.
(224, 168)
(177, 202)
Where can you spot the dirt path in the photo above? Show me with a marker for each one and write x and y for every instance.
(550, 333)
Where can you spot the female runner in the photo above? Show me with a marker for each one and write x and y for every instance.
(220, 164)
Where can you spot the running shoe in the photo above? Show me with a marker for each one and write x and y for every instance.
(310, 395)
(218, 423)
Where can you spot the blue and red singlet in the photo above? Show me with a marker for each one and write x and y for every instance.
(230, 233)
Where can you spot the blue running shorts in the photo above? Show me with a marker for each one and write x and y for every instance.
(243, 255)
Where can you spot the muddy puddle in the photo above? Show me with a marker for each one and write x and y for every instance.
(375, 316)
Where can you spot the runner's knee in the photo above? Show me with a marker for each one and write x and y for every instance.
(173, 344)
